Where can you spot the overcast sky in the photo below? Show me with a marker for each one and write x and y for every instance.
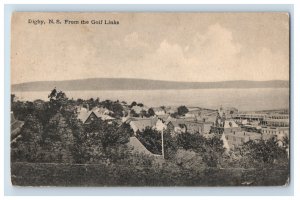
(178, 47)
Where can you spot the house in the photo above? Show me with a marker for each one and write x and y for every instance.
(230, 126)
(231, 112)
(276, 120)
(135, 146)
(227, 112)
(140, 124)
(250, 117)
(96, 113)
(222, 125)
(236, 139)
(275, 125)
(102, 111)
(138, 109)
(279, 132)
(164, 118)
(159, 111)
(170, 110)
(83, 114)
(103, 114)
(193, 112)
(178, 126)
(208, 115)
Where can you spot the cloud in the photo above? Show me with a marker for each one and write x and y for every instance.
(134, 41)
(198, 61)
(265, 65)
(211, 56)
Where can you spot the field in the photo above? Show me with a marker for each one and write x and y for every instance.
(59, 174)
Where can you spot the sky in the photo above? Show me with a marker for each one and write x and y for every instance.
(196, 47)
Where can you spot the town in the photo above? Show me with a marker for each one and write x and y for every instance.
(234, 127)
(91, 131)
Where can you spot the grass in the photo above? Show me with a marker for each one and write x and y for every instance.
(62, 174)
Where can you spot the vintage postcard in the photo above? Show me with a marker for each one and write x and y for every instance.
(150, 99)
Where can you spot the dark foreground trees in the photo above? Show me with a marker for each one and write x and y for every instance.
(52, 133)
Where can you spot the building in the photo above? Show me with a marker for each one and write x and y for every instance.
(236, 139)
(135, 146)
(193, 112)
(159, 111)
(165, 118)
(209, 115)
(276, 125)
(277, 120)
(278, 132)
(140, 124)
(230, 126)
(139, 109)
(223, 125)
(96, 113)
(178, 126)
(170, 110)
(250, 117)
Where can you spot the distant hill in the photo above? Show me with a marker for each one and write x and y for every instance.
(140, 84)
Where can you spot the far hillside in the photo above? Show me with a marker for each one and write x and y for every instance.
(141, 84)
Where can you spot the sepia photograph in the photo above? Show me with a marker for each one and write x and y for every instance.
(157, 99)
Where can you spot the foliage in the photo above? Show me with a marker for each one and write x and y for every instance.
(170, 146)
(182, 110)
(262, 153)
(114, 106)
(151, 112)
(29, 145)
(101, 139)
(52, 133)
(133, 113)
(211, 149)
(151, 139)
(133, 104)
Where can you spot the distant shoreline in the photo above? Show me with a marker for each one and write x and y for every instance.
(142, 84)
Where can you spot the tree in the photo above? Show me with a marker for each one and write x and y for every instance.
(133, 104)
(140, 105)
(151, 139)
(151, 112)
(133, 113)
(58, 140)
(28, 147)
(174, 115)
(12, 98)
(102, 139)
(182, 110)
(58, 100)
(262, 153)
(211, 149)
(170, 145)
(143, 113)
(190, 141)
